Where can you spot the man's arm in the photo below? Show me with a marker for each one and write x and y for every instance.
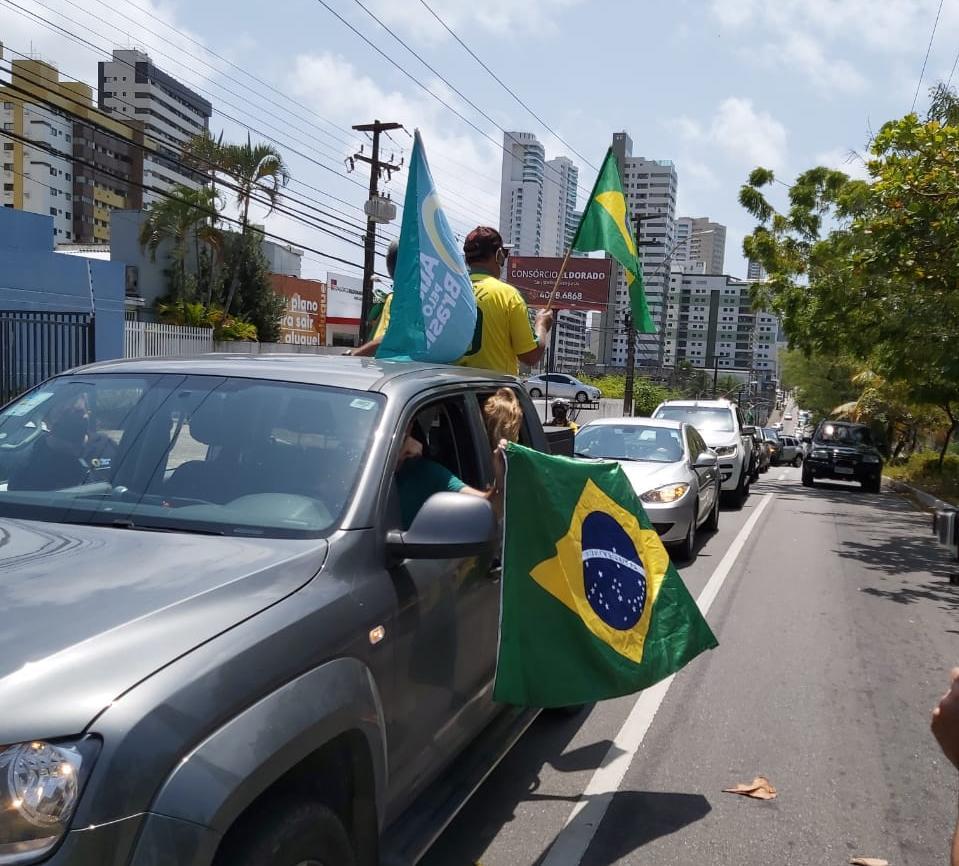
(945, 728)
(544, 322)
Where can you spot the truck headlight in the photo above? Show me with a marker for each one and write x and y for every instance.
(40, 786)
(668, 493)
(725, 451)
(821, 454)
(870, 458)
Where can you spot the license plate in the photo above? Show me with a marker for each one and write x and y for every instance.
(844, 470)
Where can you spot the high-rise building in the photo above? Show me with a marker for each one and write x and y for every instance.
(538, 217)
(755, 273)
(700, 245)
(64, 157)
(650, 188)
(710, 321)
(132, 88)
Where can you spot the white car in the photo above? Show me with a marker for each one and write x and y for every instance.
(788, 416)
(561, 385)
(722, 425)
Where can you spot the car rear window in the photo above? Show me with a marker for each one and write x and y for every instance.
(191, 453)
(704, 418)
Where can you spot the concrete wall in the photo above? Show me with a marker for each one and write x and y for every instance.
(34, 277)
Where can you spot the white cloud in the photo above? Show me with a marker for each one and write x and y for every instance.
(743, 133)
(508, 18)
(845, 160)
(803, 53)
(465, 165)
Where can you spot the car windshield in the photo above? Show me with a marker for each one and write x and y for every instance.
(841, 434)
(630, 442)
(771, 434)
(185, 453)
(703, 418)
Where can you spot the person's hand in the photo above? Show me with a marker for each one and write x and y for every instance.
(544, 319)
(945, 721)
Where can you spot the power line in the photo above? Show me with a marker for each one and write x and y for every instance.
(925, 60)
(416, 81)
(13, 136)
(953, 71)
(506, 87)
(306, 219)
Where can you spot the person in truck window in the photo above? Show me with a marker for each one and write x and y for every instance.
(503, 418)
(418, 477)
(560, 413)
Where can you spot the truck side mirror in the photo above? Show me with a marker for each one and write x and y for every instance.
(749, 430)
(448, 526)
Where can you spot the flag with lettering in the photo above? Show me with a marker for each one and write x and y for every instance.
(433, 312)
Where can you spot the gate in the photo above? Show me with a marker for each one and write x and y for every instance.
(37, 345)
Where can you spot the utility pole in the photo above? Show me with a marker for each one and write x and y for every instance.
(373, 212)
(628, 321)
(630, 363)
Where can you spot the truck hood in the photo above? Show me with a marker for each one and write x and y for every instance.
(88, 611)
(717, 439)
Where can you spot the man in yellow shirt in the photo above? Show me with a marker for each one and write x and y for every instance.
(503, 335)
(368, 349)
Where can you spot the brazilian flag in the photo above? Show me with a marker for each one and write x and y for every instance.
(605, 227)
(592, 607)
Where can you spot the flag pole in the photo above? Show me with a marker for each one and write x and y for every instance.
(559, 276)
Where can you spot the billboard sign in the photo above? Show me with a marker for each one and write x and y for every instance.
(584, 286)
(303, 322)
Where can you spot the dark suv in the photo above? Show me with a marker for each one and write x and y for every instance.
(843, 451)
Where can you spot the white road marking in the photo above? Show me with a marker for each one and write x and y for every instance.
(570, 846)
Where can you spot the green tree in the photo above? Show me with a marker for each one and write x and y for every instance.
(870, 267)
(255, 301)
(186, 215)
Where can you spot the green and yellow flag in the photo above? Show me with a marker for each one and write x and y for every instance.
(604, 226)
(592, 607)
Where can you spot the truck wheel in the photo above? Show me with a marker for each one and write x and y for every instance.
(806, 478)
(738, 497)
(872, 485)
(288, 832)
(535, 393)
(798, 461)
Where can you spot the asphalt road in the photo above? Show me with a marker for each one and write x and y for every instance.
(837, 626)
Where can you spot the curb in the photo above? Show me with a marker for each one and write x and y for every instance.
(926, 500)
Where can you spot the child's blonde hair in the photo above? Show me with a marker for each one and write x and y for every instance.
(503, 416)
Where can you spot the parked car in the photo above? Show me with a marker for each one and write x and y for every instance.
(845, 452)
(762, 459)
(671, 468)
(792, 450)
(788, 416)
(722, 426)
(222, 645)
(561, 385)
(772, 444)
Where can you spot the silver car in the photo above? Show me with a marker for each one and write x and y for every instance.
(561, 385)
(671, 469)
(792, 450)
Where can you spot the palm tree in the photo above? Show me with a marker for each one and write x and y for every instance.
(185, 213)
(254, 169)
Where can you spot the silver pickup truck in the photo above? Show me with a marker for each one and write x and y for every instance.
(220, 642)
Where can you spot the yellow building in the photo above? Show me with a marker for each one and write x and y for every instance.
(64, 157)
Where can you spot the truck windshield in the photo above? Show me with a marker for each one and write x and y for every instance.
(185, 453)
(839, 433)
(704, 418)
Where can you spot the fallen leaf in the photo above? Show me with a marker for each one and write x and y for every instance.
(868, 861)
(759, 789)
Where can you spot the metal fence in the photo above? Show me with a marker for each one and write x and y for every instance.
(37, 345)
(151, 340)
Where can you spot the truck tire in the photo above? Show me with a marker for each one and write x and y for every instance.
(872, 485)
(806, 477)
(738, 496)
(287, 832)
(797, 462)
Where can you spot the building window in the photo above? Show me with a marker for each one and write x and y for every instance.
(8, 187)
(53, 211)
(8, 126)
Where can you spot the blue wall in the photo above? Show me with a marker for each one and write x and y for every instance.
(34, 277)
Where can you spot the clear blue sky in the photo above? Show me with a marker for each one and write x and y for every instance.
(718, 87)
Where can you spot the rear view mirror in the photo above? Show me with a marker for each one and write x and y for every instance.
(706, 460)
(448, 526)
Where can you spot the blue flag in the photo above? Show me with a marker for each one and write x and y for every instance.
(433, 311)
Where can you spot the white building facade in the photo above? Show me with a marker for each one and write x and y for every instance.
(710, 322)
(35, 179)
(538, 217)
(700, 245)
(650, 187)
(132, 88)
